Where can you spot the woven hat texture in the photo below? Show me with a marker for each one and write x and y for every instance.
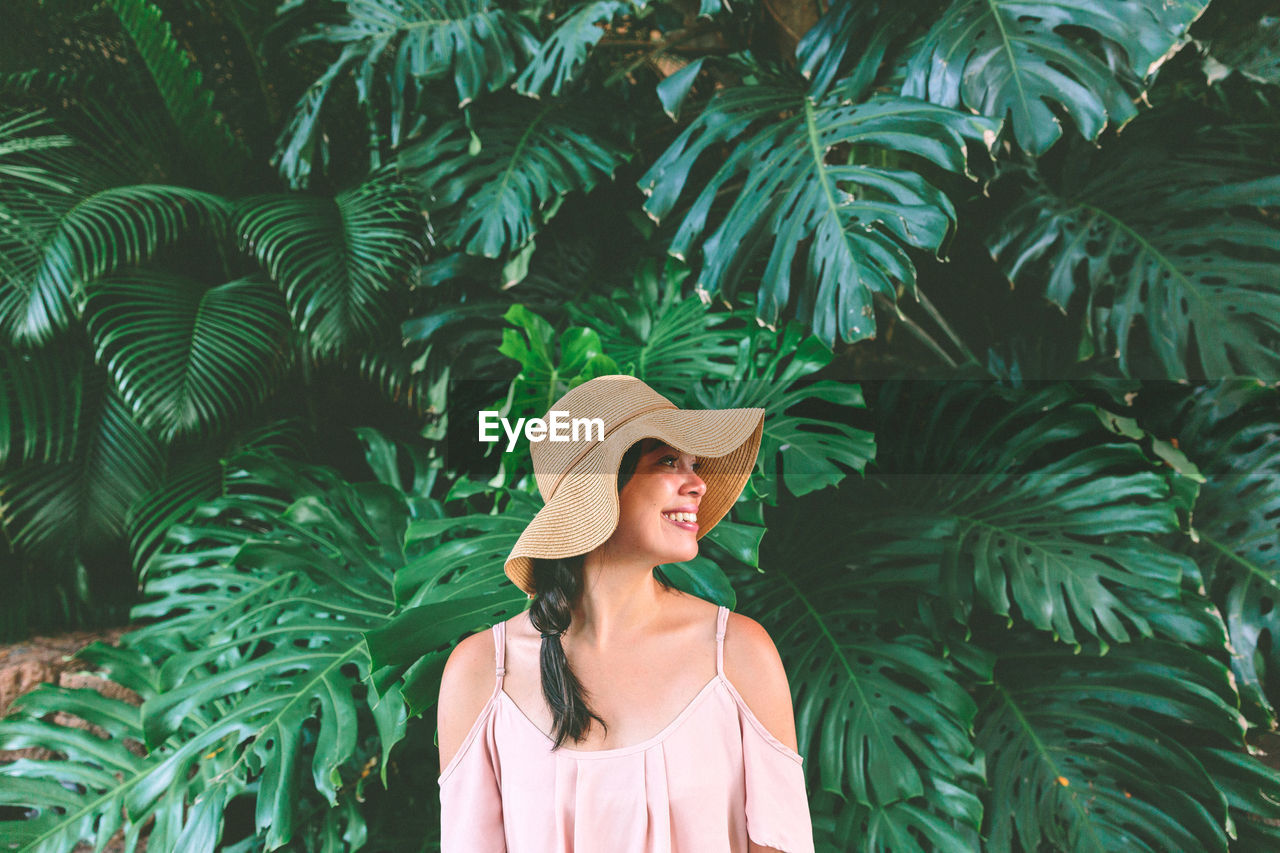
(578, 479)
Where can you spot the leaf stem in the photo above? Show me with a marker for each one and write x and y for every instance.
(914, 328)
(943, 324)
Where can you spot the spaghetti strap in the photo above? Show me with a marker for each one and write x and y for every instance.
(722, 619)
(500, 650)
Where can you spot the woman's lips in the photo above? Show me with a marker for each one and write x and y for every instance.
(686, 525)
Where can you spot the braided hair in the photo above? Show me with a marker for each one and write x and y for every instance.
(557, 583)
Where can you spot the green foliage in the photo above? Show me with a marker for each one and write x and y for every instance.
(204, 131)
(857, 214)
(184, 357)
(494, 178)
(1173, 242)
(562, 55)
(1086, 753)
(1041, 617)
(339, 261)
(1230, 430)
(1029, 501)
(1014, 57)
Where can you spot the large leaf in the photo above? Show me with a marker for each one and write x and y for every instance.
(1024, 504)
(881, 717)
(258, 675)
(66, 219)
(853, 38)
(80, 496)
(342, 262)
(493, 181)
(565, 50)
(1158, 226)
(1230, 430)
(655, 333)
(104, 782)
(478, 43)
(1017, 57)
(1086, 752)
(188, 358)
(776, 371)
(790, 190)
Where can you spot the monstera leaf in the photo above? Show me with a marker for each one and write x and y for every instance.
(105, 782)
(1159, 226)
(1087, 752)
(775, 371)
(658, 335)
(1017, 57)
(805, 175)
(565, 51)
(494, 180)
(882, 719)
(185, 357)
(340, 262)
(1230, 429)
(1042, 502)
(478, 43)
(254, 674)
(853, 38)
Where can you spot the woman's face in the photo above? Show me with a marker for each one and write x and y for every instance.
(665, 485)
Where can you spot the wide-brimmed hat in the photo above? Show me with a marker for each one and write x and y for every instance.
(578, 478)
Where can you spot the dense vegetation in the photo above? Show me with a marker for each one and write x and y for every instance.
(1005, 276)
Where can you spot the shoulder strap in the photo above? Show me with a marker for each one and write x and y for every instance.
(722, 620)
(500, 649)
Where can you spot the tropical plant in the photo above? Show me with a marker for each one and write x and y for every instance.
(242, 346)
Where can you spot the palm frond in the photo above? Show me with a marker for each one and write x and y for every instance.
(342, 263)
(82, 497)
(204, 131)
(62, 224)
(188, 358)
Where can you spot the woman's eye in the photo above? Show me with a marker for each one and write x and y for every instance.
(675, 459)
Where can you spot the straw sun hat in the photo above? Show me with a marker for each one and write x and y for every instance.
(578, 479)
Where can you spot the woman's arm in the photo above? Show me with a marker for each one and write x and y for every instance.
(752, 665)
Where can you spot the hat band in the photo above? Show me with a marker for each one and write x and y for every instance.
(594, 445)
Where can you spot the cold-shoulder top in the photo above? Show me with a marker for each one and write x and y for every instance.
(711, 779)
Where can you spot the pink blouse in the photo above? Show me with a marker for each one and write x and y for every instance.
(710, 780)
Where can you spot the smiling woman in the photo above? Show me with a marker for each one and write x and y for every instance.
(679, 711)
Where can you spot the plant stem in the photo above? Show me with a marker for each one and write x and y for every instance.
(914, 328)
(944, 325)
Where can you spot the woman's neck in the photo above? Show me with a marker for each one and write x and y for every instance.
(617, 602)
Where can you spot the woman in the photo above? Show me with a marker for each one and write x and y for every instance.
(680, 718)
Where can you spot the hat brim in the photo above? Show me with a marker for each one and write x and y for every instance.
(727, 442)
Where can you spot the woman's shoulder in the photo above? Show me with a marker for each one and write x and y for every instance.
(465, 688)
(753, 666)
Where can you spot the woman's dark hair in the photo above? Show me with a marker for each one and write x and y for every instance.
(557, 584)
